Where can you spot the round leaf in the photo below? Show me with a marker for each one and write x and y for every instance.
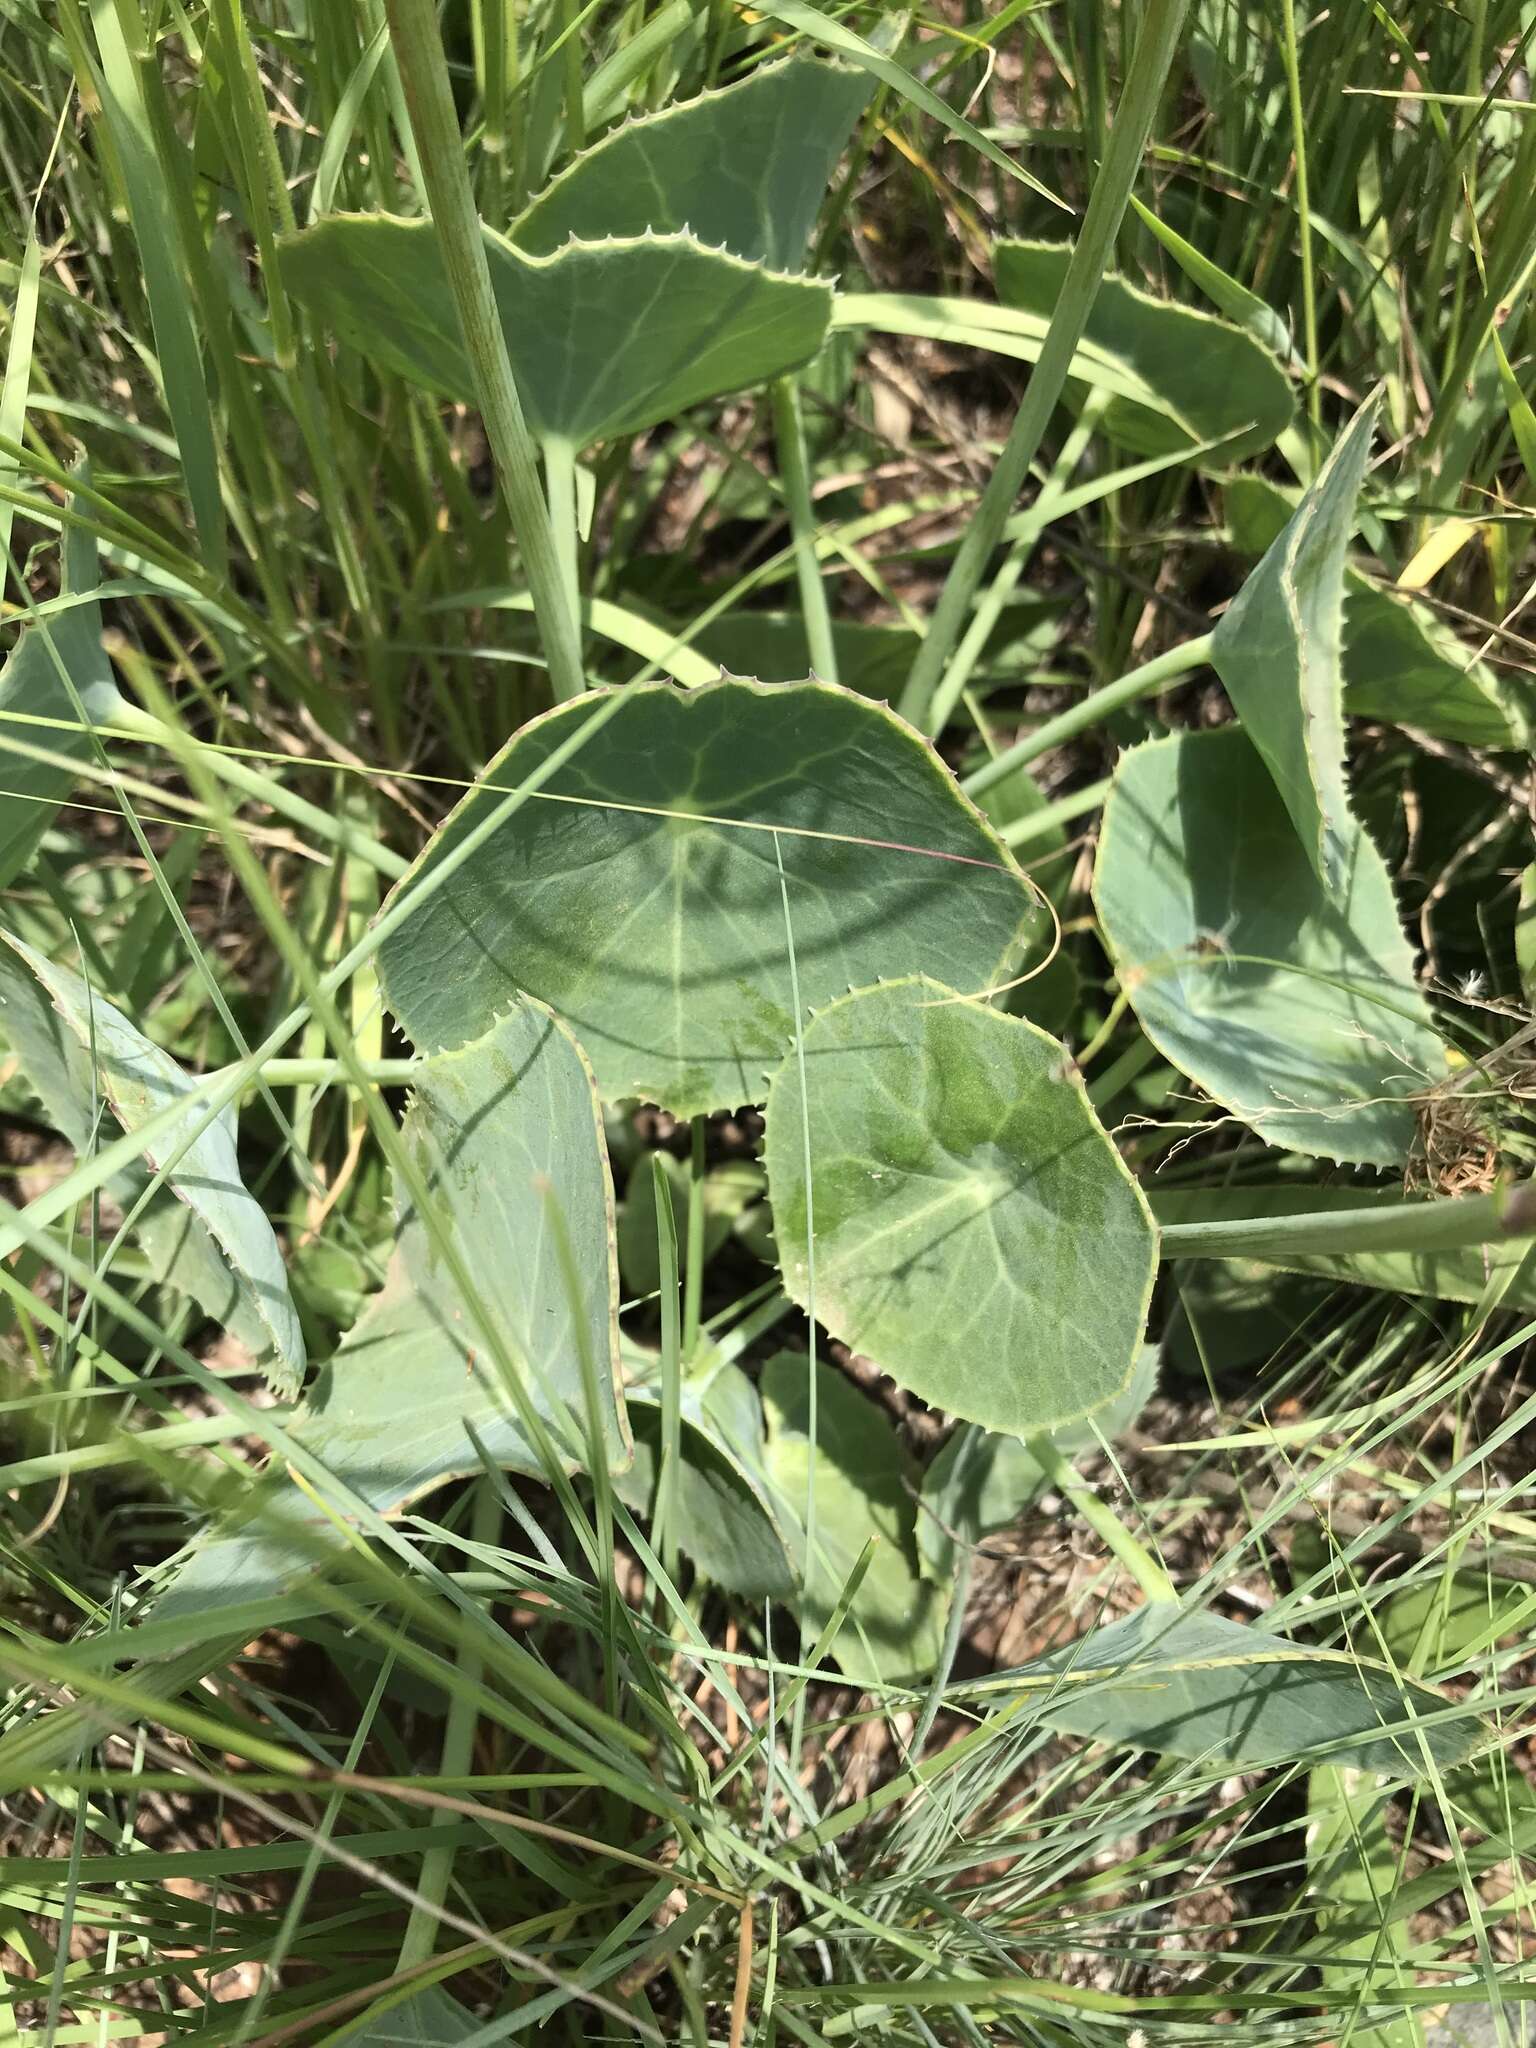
(745, 168)
(976, 1233)
(605, 338)
(1297, 1011)
(646, 905)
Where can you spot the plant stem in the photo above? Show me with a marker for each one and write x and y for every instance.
(1155, 46)
(794, 471)
(317, 1073)
(429, 98)
(1145, 681)
(1442, 1226)
(1102, 1519)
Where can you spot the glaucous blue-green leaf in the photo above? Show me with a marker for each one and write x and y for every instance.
(177, 1246)
(1221, 1692)
(605, 339)
(1294, 1008)
(1278, 650)
(864, 1487)
(1459, 1275)
(432, 2018)
(500, 1129)
(1354, 1870)
(975, 1232)
(981, 1481)
(728, 1190)
(1212, 381)
(745, 168)
(139, 1081)
(727, 1513)
(645, 904)
(1400, 663)
(31, 686)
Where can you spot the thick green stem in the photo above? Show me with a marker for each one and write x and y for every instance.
(795, 476)
(1155, 46)
(1444, 1226)
(429, 98)
(1141, 682)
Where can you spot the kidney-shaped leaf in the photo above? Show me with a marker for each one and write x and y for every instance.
(1213, 381)
(604, 339)
(974, 1231)
(1194, 1685)
(140, 1081)
(1296, 1010)
(500, 1129)
(1278, 649)
(176, 1243)
(745, 168)
(32, 686)
(863, 1488)
(646, 905)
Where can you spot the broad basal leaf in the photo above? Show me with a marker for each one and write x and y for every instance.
(31, 686)
(1355, 1871)
(1295, 1009)
(967, 1224)
(640, 893)
(744, 169)
(1221, 1692)
(1212, 381)
(604, 339)
(862, 1481)
(1400, 663)
(727, 1512)
(982, 1481)
(1277, 648)
(229, 1260)
(501, 1129)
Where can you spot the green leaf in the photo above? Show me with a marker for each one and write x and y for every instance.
(1194, 1685)
(427, 2019)
(1295, 1010)
(976, 1234)
(138, 1080)
(180, 1252)
(1212, 381)
(863, 1488)
(727, 1515)
(1400, 664)
(982, 1481)
(492, 1126)
(1460, 1275)
(604, 340)
(640, 895)
(1235, 300)
(1277, 648)
(1354, 1873)
(1446, 1622)
(729, 1189)
(32, 687)
(744, 169)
